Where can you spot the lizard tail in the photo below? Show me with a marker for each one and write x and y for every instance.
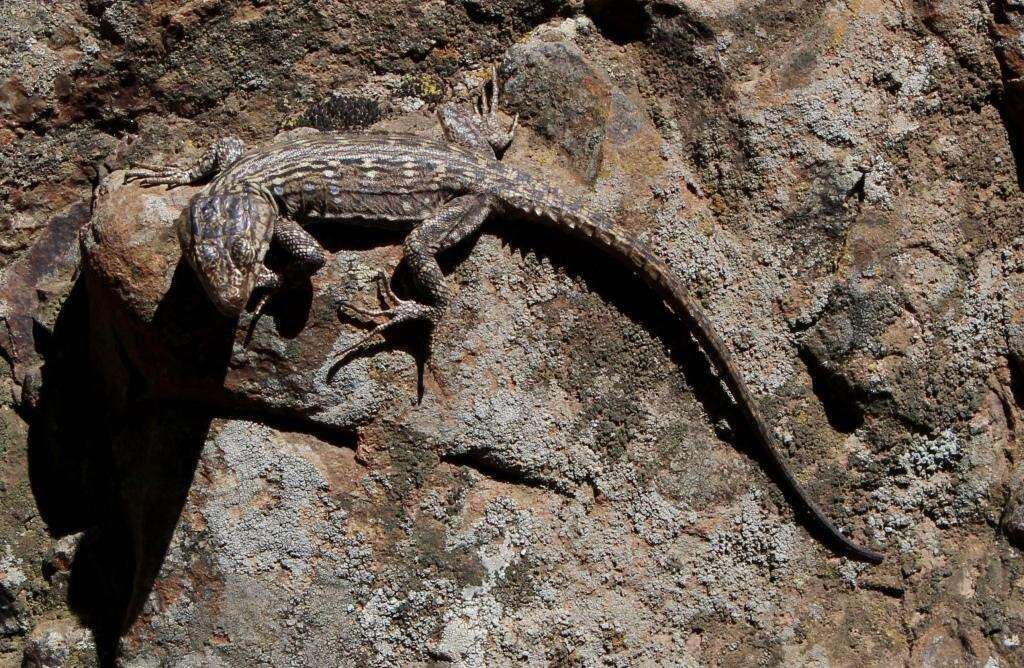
(659, 277)
(578, 218)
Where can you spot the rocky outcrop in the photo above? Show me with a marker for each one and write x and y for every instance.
(557, 476)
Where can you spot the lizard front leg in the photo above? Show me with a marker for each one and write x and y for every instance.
(223, 152)
(305, 254)
(304, 257)
(457, 220)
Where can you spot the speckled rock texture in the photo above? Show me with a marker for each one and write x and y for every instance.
(556, 478)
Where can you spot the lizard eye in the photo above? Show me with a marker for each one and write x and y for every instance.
(243, 252)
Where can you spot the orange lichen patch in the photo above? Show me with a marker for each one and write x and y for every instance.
(169, 590)
(450, 52)
(220, 639)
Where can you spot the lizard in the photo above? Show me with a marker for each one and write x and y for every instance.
(439, 193)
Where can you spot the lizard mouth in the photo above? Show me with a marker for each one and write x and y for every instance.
(230, 300)
(231, 309)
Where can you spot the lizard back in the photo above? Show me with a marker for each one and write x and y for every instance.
(387, 178)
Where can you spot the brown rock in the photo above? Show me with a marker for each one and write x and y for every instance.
(561, 494)
(152, 318)
(564, 98)
(33, 294)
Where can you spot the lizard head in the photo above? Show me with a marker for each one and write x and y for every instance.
(225, 237)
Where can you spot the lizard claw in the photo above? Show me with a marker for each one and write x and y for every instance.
(364, 315)
(400, 309)
(385, 294)
(258, 313)
(487, 116)
(384, 291)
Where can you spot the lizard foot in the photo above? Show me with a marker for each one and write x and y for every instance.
(487, 116)
(156, 175)
(385, 295)
(403, 312)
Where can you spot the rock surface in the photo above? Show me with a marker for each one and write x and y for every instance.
(569, 485)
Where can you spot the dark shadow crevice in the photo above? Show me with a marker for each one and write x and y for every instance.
(1016, 366)
(71, 473)
(105, 462)
(1005, 34)
(1012, 122)
(485, 464)
(66, 459)
(837, 396)
(620, 21)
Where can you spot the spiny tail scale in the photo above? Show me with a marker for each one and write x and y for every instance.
(527, 196)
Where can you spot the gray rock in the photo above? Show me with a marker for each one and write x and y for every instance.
(838, 184)
(561, 96)
(59, 643)
(14, 617)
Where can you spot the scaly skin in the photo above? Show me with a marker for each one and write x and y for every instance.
(441, 193)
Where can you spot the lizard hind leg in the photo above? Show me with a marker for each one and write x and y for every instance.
(456, 220)
(406, 311)
(479, 129)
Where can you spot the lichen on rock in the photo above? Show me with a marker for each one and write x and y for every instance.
(558, 477)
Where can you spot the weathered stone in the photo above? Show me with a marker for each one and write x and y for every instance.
(59, 643)
(560, 95)
(32, 295)
(1013, 524)
(838, 182)
(14, 617)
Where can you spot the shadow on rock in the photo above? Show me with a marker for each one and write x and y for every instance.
(624, 289)
(113, 455)
(72, 475)
(1005, 30)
